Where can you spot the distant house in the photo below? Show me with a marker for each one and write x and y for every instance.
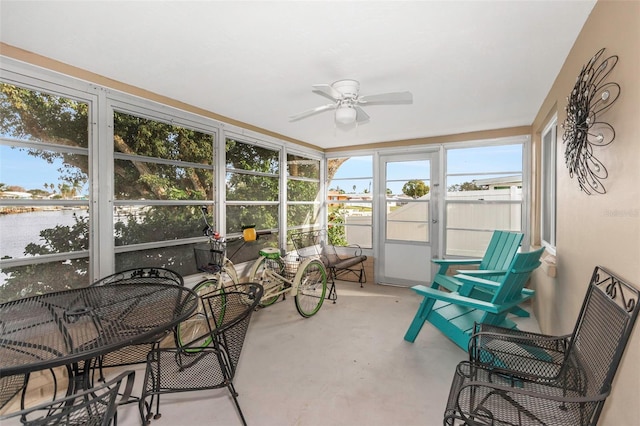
(502, 182)
(336, 196)
(15, 195)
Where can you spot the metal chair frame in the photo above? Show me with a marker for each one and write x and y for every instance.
(173, 370)
(10, 386)
(135, 354)
(524, 378)
(93, 407)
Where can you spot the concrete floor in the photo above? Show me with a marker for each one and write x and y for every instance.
(347, 365)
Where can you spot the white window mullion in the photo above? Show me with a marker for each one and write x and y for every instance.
(548, 186)
(103, 261)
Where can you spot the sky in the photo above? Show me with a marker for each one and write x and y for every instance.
(473, 163)
(20, 169)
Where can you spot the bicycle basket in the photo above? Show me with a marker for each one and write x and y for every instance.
(209, 257)
(291, 263)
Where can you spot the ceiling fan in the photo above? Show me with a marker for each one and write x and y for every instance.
(348, 102)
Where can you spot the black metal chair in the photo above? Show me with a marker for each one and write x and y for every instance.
(520, 378)
(93, 407)
(135, 354)
(10, 386)
(209, 358)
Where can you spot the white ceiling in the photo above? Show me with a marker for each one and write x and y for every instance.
(471, 65)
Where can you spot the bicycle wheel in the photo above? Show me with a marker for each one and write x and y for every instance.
(260, 274)
(193, 334)
(311, 281)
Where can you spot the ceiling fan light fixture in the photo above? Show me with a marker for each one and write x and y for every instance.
(346, 115)
(347, 101)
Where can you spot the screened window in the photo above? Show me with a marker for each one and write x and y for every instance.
(44, 192)
(484, 193)
(252, 192)
(303, 192)
(349, 200)
(548, 186)
(163, 174)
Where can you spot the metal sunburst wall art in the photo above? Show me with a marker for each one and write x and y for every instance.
(590, 97)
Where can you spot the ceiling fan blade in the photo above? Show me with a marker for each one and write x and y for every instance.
(361, 116)
(387, 98)
(327, 91)
(311, 112)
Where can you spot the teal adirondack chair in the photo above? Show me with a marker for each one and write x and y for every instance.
(455, 314)
(502, 247)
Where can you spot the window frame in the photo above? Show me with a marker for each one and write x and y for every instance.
(524, 141)
(316, 204)
(548, 184)
(365, 203)
(24, 76)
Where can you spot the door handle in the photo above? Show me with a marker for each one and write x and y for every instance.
(434, 220)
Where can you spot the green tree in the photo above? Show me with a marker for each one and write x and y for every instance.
(415, 188)
(256, 185)
(465, 186)
(336, 233)
(37, 193)
(32, 115)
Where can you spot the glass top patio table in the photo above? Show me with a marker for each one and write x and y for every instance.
(68, 327)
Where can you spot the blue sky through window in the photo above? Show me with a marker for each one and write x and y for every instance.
(463, 165)
(18, 168)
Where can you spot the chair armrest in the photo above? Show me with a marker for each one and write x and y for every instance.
(446, 263)
(358, 249)
(477, 281)
(542, 395)
(480, 380)
(481, 272)
(454, 297)
(456, 261)
(468, 282)
(126, 393)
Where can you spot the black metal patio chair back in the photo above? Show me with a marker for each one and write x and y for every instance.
(603, 328)
(524, 378)
(209, 358)
(146, 275)
(93, 407)
(10, 386)
(135, 354)
(231, 313)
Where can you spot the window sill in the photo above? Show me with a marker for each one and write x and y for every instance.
(549, 264)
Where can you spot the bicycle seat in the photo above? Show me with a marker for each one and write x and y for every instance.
(270, 253)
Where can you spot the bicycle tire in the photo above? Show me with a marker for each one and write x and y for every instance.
(269, 283)
(193, 334)
(311, 284)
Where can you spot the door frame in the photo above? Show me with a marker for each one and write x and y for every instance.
(435, 231)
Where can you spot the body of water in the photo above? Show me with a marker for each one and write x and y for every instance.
(19, 229)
